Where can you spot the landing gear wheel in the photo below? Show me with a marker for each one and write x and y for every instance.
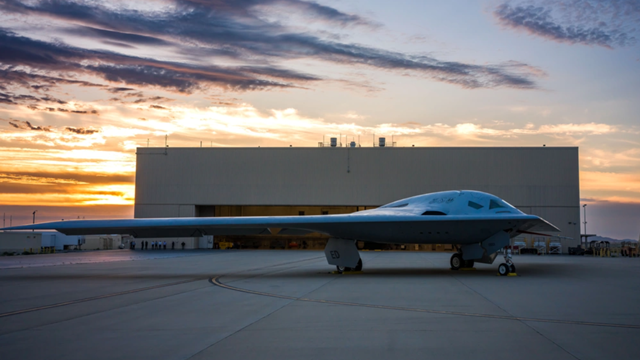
(341, 269)
(512, 268)
(468, 263)
(503, 269)
(359, 266)
(456, 261)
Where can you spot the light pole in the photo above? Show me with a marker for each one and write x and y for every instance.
(584, 207)
(34, 218)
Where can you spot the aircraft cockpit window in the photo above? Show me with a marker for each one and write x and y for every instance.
(397, 206)
(475, 205)
(432, 212)
(495, 205)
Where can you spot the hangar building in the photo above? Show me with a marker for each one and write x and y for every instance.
(196, 182)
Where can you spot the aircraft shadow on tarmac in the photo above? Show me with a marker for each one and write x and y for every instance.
(530, 270)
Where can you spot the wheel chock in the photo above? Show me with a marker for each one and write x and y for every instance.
(512, 274)
(346, 272)
(467, 269)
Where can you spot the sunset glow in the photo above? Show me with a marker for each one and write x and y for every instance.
(85, 83)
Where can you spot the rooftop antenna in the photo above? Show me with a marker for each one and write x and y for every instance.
(200, 143)
(147, 142)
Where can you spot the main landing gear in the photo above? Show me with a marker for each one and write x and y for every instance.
(507, 267)
(341, 269)
(457, 262)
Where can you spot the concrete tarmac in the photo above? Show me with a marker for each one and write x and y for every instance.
(250, 304)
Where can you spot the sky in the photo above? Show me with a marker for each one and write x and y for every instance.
(84, 83)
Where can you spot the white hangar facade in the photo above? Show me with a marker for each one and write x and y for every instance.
(192, 182)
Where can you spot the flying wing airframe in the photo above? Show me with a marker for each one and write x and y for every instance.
(478, 224)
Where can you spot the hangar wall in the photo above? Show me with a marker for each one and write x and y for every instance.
(173, 182)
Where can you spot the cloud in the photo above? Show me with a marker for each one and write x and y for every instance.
(35, 180)
(19, 124)
(69, 136)
(115, 90)
(601, 23)
(14, 99)
(115, 37)
(569, 129)
(34, 81)
(63, 110)
(233, 30)
(247, 124)
(43, 56)
(611, 186)
(617, 161)
(326, 13)
(82, 131)
(81, 195)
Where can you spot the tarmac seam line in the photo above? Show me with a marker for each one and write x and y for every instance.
(132, 291)
(99, 297)
(216, 282)
(522, 322)
(266, 315)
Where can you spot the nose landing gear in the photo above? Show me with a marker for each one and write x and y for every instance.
(507, 268)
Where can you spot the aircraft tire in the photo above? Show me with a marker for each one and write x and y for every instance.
(341, 269)
(503, 269)
(512, 268)
(456, 261)
(469, 263)
(359, 266)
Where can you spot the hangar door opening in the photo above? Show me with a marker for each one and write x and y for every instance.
(309, 241)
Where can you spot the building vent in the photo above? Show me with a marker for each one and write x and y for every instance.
(334, 142)
(352, 144)
(381, 142)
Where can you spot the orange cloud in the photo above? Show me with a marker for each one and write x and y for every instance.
(80, 196)
(609, 186)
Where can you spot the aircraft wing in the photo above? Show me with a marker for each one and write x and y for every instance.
(367, 227)
(450, 217)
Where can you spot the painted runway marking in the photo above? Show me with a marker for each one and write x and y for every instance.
(216, 281)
